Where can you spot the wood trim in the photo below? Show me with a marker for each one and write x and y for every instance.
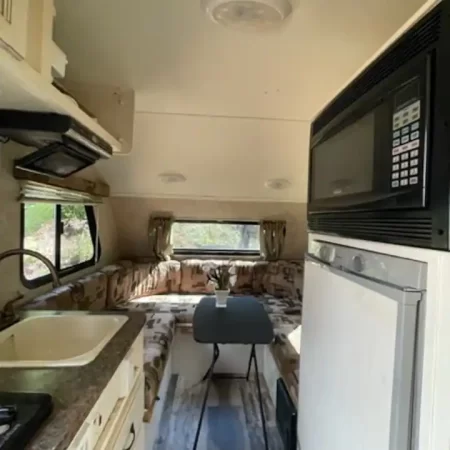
(95, 188)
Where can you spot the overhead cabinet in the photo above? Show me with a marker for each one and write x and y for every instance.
(30, 62)
(13, 33)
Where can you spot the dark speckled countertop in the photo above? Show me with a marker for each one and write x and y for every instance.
(75, 390)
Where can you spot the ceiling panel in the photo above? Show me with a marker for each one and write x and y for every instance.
(227, 109)
(181, 62)
(220, 157)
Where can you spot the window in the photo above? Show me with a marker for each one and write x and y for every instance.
(65, 234)
(228, 238)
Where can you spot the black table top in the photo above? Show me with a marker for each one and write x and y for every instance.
(243, 321)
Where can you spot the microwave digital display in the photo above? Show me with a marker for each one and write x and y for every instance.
(407, 95)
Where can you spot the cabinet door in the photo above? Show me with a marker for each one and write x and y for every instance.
(348, 365)
(13, 26)
(132, 426)
(84, 439)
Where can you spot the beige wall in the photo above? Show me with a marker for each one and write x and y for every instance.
(10, 228)
(132, 214)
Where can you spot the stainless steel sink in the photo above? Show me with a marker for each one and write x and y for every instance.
(57, 340)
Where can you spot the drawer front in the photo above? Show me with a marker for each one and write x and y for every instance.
(96, 430)
(104, 407)
(133, 424)
(132, 365)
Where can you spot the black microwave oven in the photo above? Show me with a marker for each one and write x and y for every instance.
(379, 163)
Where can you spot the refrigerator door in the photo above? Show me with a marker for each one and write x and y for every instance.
(357, 362)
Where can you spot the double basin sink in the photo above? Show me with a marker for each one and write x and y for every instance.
(57, 340)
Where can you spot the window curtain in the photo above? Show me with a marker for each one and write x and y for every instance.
(272, 237)
(159, 232)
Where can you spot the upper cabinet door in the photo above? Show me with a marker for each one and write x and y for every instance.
(14, 25)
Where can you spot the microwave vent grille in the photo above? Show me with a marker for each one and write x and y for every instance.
(415, 231)
(417, 40)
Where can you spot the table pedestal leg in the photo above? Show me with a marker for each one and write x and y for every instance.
(208, 377)
(253, 357)
(250, 363)
(215, 358)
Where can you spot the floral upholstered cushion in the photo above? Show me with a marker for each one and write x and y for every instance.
(259, 271)
(193, 277)
(158, 335)
(120, 280)
(90, 292)
(160, 328)
(181, 306)
(87, 293)
(286, 348)
(154, 364)
(275, 305)
(284, 279)
(244, 277)
(165, 278)
(285, 322)
(59, 298)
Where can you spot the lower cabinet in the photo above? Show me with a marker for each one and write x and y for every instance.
(115, 421)
(132, 428)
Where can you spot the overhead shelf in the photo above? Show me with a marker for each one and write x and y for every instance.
(23, 88)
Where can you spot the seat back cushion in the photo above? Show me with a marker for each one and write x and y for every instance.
(165, 278)
(284, 279)
(244, 277)
(87, 293)
(59, 298)
(119, 282)
(259, 272)
(141, 283)
(193, 276)
(90, 292)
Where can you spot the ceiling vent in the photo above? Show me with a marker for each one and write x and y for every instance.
(248, 14)
(172, 177)
(278, 184)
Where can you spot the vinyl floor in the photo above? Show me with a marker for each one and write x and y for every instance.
(232, 419)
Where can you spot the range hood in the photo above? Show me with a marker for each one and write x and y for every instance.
(63, 145)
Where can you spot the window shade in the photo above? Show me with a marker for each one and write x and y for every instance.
(31, 191)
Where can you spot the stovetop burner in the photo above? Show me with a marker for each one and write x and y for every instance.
(21, 415)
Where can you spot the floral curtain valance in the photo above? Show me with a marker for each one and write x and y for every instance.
(272, 238)
(32, 192)
(35, 187)
(159, 232)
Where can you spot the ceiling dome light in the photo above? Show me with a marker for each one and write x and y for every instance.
(277, 184)
(248, 14)
(172, 177)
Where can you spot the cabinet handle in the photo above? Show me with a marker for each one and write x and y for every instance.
(98, 420)
(133, 438)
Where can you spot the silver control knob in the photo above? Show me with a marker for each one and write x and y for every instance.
(327, 253)
(359, 263)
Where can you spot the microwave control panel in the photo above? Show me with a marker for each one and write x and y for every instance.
(406, 147)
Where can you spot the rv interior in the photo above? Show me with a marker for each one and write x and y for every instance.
(224, 225)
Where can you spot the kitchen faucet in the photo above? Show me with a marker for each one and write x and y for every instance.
(8, 314)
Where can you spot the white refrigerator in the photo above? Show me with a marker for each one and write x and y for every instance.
(359, 350)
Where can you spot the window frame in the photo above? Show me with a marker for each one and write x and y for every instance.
(217, 252)
(40, 281)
